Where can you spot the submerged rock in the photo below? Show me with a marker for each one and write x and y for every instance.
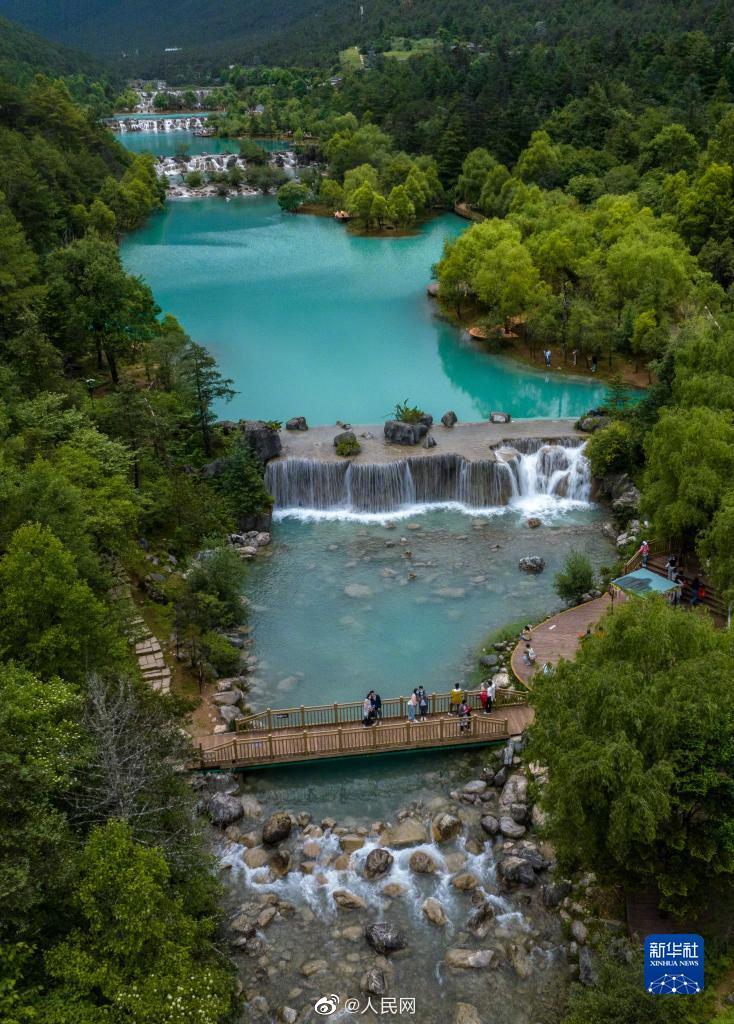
(433, 910)
(374, 982)
(531, 563)
(465, 881)
(348, 900)
(385, 937)
(407, 832)
(422, 863)
(466, 959)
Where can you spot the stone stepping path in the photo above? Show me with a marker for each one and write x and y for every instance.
(150, 658)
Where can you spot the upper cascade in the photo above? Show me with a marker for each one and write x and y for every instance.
(554, 470)
(187, 123)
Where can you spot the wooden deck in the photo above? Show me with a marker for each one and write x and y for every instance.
(269, 738)
(558, 637)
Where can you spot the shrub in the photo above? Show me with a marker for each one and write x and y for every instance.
(220, 653)
(194, 179)
(348, 446)
(612, 449)
(575, 579)
(408, 413)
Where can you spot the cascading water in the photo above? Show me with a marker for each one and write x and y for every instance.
(509, 476)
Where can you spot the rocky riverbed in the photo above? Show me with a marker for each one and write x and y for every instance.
(450, 900)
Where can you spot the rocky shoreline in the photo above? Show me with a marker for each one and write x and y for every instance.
(464, 883)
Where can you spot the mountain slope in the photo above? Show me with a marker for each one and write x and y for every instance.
(24, 54)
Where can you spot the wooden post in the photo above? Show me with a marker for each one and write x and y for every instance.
(303, 717)
(270, 745)
(374, 735)
(270, 719)
(402, 707)
(336, 714)
(406, 727)
(440, 722)
(305, 742)
(433, 703)
(339, 734)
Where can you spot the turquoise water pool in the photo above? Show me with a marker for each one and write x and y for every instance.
(308, 319)
(170, 143)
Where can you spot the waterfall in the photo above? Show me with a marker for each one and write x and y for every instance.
(550, 470)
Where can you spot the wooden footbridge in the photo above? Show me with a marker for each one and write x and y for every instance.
(292, 735)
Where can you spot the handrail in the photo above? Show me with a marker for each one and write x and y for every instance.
(350, 712)
(271, 747)
(636, 560)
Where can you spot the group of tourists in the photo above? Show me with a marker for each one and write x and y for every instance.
(417, 705)
(695, 591)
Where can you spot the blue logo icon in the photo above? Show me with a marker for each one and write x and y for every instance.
(674, 965)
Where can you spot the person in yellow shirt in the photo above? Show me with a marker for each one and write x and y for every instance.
(455, 700)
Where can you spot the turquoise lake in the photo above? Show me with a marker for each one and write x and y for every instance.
(310, 320)
(170, 143)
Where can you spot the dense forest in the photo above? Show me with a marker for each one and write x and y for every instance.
(596, 154)
(105, 422)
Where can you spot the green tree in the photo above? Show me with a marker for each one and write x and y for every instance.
(204, 384)
(41, 746)
(95, 305)
(50, 621)
(400, 208)
(685, 480)
(292, 196)
(640, 761)
(359, 203)
(18, 271)
(474, 171)
(135, 950)
(240, 482)
(575, 579)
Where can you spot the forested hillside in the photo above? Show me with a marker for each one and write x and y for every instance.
(109, 906)
(24, 54)
(314, 31)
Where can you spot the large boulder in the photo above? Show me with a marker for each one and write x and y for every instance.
(490, 824)
(554, 893)
(510, 829)
(397, 432)
(297, 423)
(407, 832)
(531, 563)
(449, 419)
(378, 863)
(465, 882)
(385, 937)
(224, 809)
(445, 827)
(517, 869)
(499, 417)
(346, 435)
(589, 424)
(465, 1013)
(515, 791)
(277, 828)
(263, 441)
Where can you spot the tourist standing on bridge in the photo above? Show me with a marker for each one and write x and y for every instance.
(491, 697)
(455, 700)
(464, 714)
(644, 552)
(368, 712)
(412, 706)
(377, 705)
(422, 703)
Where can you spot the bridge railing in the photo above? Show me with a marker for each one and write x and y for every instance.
(349, 713)
(270, 747)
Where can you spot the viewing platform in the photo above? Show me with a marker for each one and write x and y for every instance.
(471, 441)
(292, 735)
